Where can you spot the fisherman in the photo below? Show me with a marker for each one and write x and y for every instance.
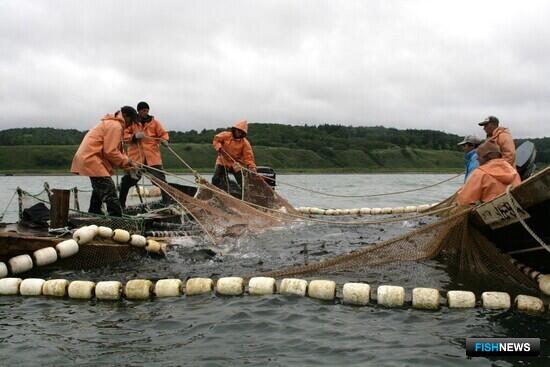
(490, 179)
(234, 151)
(99, 152)
(502, 137)
(469, 145)
(143, 139)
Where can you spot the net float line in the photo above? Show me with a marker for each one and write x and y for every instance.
(351, 293)
(366, 211)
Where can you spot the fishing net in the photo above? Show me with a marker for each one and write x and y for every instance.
(451, 239)
(258, 192)
(219, 213)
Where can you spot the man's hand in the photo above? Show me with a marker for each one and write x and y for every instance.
(139, 135)
(164, 142)
(252, 168)
(132, 164)
(237, 167)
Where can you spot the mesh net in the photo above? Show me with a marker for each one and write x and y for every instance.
(258, 192)
(451, 239)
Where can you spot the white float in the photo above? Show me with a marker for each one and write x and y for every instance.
(322, 289)
(195, 286)
(138, 240)
(461, 299)
(138, 289)
(3, 270)
(94, 229)
(67, 248)
(410, 209)
(345, 211)
(9, 286)
(44, 256)
(230, 286)
(355, 211)
(261, 285)
(55, 287)
(168, 288)
(376, 211)
(31, 287)
(390, 295)
(423, 207)
(398, 210)
(293, 286)
(20, 264)
(529, 304)
(155, 247)
(329, 212)
(425, 298)
(356, 293)
(121, 236)
(105, 232)
(81, 289)
(84, 235)
(496, 300)
(364, 211)
(544, 283)
(108, 291)
(387, 210)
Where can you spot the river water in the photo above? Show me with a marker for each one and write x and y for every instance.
(271, 331)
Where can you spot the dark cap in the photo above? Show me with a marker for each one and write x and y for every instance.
(488, 120)
(130, 112)
(142, 105)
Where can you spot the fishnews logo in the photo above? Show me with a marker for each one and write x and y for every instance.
(478, 347)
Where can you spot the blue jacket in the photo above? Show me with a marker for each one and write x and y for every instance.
(470, 160)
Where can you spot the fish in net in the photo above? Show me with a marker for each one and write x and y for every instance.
(451, 239)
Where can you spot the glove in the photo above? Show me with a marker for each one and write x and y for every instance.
(253, 169)
(237, 167)
(131, 163)
(139, 135)
(164, 142)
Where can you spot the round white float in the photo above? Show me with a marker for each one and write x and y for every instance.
(9, 286)
(138, 240)
(496, 300)
(261, 285)
(156, 247)
(55, 287)
(376, 211)
(168, 288)
(105, 232)
(544, 284)
(94, 229)
(121, 236)
(81, 289)
(44, 256)
(529, 304)
(356, 293)
(31, 287)
(425, 298)
(293, 286)
(108, 291)
(423, 207)
(20, 264)
(195, 286)
(461, 299)
(390, 295)
(322, 289)
(329, 212)
(355, 211)
(410, 209)
(3, 270)
(398, 210)
(84, 235)
(230, 286)
(387, 210)
(67, 248)
(138, 289)
(364, 211)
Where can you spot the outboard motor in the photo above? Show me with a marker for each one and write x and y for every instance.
(525, 159)
(268, 174)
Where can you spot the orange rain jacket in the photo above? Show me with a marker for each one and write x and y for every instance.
(146, 150)
(101, 149)
(503, 138)
(488, 181)
(239, 149)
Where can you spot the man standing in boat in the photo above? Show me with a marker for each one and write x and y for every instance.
(234, 151)
(143, 139)
(502, 137)
(490, 179)
(99, 152)
(469, 145)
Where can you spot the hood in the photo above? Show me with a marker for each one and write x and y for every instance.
(117, 116)
(242, 125)
(500, 170)
(500, 130)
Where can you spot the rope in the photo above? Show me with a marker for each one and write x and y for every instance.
(8, 206)
(388, 220)
(348, 196)
(509, 197)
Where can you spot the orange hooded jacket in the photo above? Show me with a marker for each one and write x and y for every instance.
(503, 138)
(488, 181)
(239, 149)
(101, 149)
(146, 150)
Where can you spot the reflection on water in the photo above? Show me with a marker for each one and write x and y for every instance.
(275, 331)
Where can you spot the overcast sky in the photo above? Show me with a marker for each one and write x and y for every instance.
(441, 65)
